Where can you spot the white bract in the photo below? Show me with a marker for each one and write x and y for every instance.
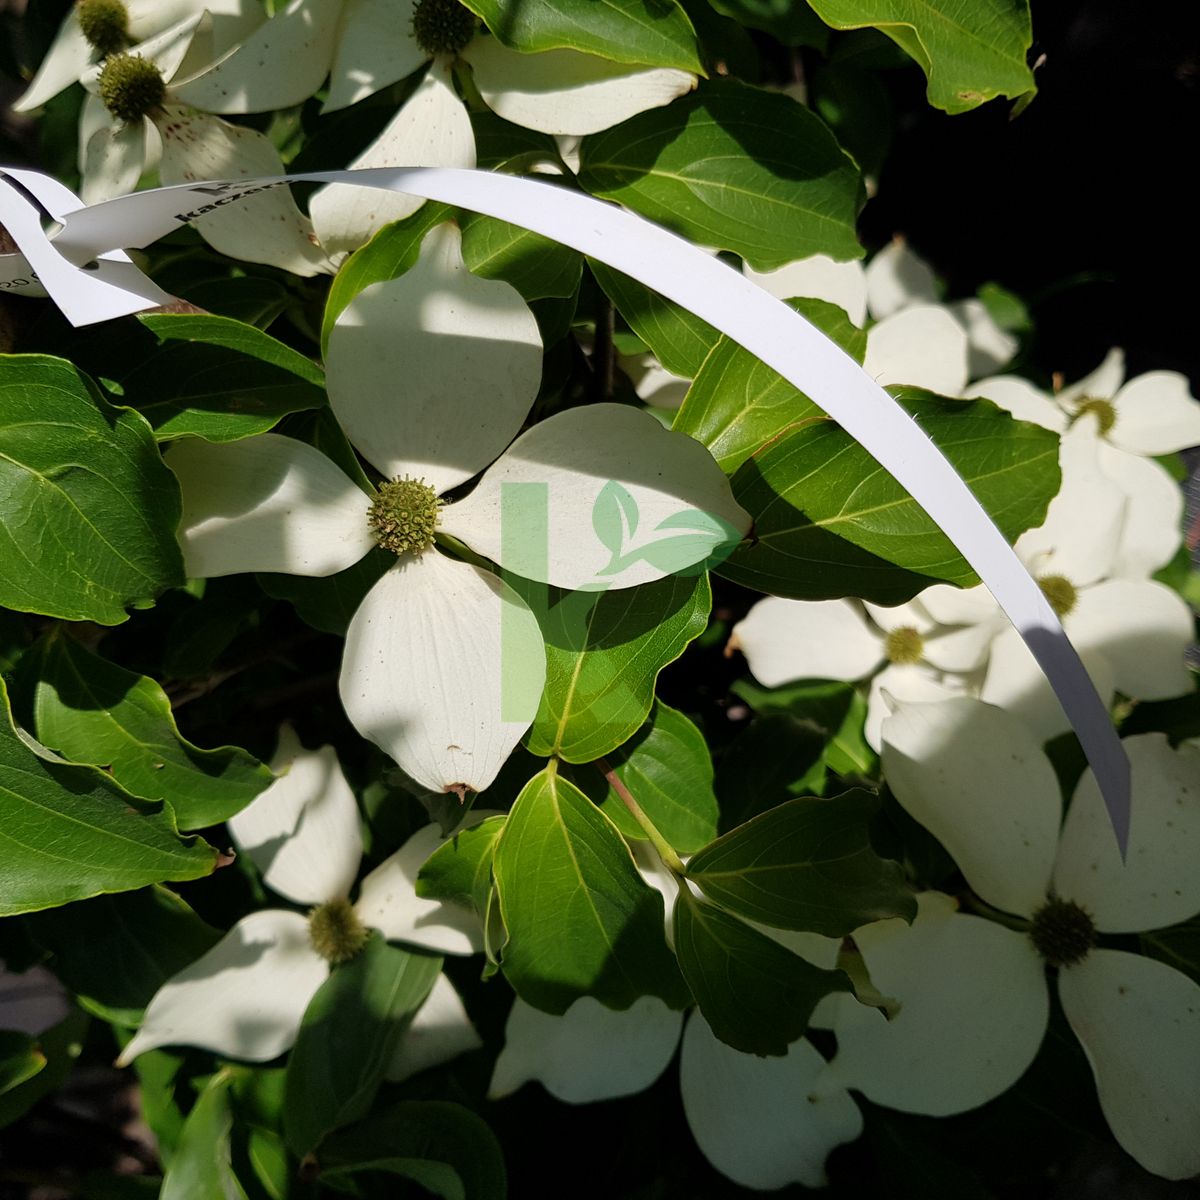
(786, 640)
(431, 375)
(973, 996)
(366, 45)
(246, 997)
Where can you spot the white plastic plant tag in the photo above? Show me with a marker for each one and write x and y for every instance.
(675, 268)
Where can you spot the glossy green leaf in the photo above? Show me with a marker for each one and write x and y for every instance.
(828, 519)
(502, 146)
(581, 921)
(20, 1059)
(414, 1139)
(679, 339)
(655, 33)
(391, 252)
(69, 832)
(88, 511)
(733, 167)
(807, 865)
(115, 952)
(201, 1168)
(460, 870)
(536, 266)
(217, 378)
(756, 996)
(970, 50)
(668, 770)
(94, 712)
(737, 404)
(604, 651)
(346, 1039)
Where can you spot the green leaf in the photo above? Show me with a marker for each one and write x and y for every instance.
(328, 602)
(410, 1137)
(604, 651)
(581, 921)
(536, 266)
(756, 996)
(68, 832)
(201, 1168)
(679, 339)
(733, 167)
(88, 511)
(115, 952)
(60, 1046)
(653, 33)
(776, 758)
(391, 252)
(787, 21)
(219, 379)
(1178, 947)
(20, 1059)
(737, 404)
(806, 865)
(346, 1039)
(502, 146)
(93, 712)
(460, 870)
(668, 771)
(828, 519)
(836, 711)
(970, 52)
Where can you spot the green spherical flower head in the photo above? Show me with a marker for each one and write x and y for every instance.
(1102, 410)
(335, 931)
(404, 515)
(903, 646)
(1061, 593)
(1062, 932)
(442, 26)
(105, 24)
(131, 87)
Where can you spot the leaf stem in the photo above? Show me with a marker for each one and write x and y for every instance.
(665, 850)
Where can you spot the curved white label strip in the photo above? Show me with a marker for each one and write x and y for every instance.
(660, 260)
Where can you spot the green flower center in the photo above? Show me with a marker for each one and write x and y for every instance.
(442, 26)
(904, 646)
(1060, 592)
(131, 87)
(105, 24)
(1062, 932)
(1102, 410)
(335, 931)
(404, 515)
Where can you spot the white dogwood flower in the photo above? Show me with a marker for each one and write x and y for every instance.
(245, 998)
(972, 993)
(786, 640)
(126, 25)
(431, 375)
(365, 45)
(1131, 632)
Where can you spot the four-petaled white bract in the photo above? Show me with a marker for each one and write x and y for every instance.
(246, 997)
(972, 994)
(431, 375)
